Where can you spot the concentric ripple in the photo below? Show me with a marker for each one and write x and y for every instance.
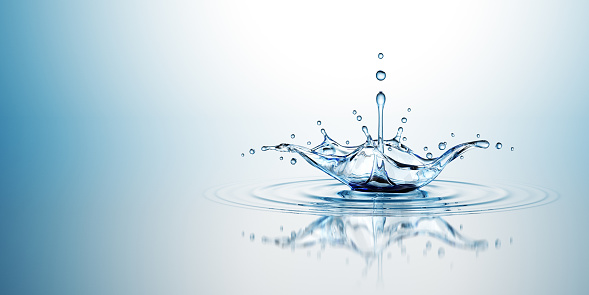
(330, 197)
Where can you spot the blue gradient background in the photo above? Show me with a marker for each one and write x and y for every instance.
(116, 116)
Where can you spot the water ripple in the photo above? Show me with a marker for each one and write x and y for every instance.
(329, 197)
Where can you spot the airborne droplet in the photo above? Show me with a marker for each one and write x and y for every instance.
(403, 120)
(380, 75)
(242, 154)
(442, 146)
(359, 118)
(409, 110)
(499, 145)
(347, 142)
(512, 149)
(293, 161)
(497, 244)
(425, 148)
(252, 151)
(292, 136)
(354, 112)
(478, 136)
(318, 123)
(380, 56)
(404, 138)
(461, 157)
(452, 134)
(441, 252)
(281, 158)
(429, 155)
(308, 143)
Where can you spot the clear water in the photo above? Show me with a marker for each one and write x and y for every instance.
(380, 75)
(371, 236)
(380, 55)
(378, 165)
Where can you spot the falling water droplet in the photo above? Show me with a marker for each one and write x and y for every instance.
(252, 237)
(403, 120)
(390, 149)
(428, 245)
(497, 244)
(347, 142)
(281, 158)
(404, 138)
(380, 56)
(441, 252)
(264, 148)
(408, 109)
(452, 134)
(512, 149)
(293, 161)
(242, 154)
(380, 75)
(429, 155)
(318, 123)
(478, 135)
(442, 146)
(292, 136)
(511, 241)
(425, 148)
(308, 143)
(499, 145)
(461, 157)
(252, 151)
(354, 112)
(359, 118)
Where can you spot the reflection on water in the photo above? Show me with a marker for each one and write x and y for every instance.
(371, 236)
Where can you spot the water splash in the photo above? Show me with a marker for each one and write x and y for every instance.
(372, 166)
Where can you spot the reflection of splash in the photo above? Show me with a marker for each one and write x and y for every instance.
(370, 236)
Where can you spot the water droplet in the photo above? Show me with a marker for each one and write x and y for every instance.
(403, 120)
(512, 149)
(499, 145)
(511, 241)
(441, 252)
(292, 136)
(264, 148)
(461, 227)
(242, 154)
(323, 132)
(293, 161)
(308, 143)
(281, 228)
(359, 118)
(478, 135)
(347, 142)
(318, 123)
(461, 157)
(243, 234)
(380, 75)
(404, 138)
(380, 56)
(252, 151)
(428, 245)
(425, 148)
(390, 149)
(429, 155)
(497, 244)
(452, 134)
(442, 146)
(281, 158)
(354, 112)
(252, 237)
(380, 99)
(408, 109)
